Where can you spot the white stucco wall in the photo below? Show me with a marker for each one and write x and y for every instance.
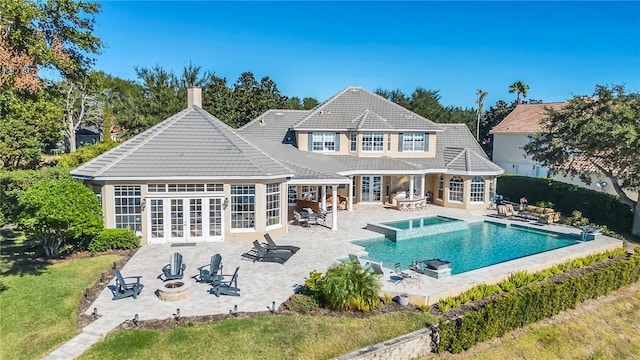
(508, 154)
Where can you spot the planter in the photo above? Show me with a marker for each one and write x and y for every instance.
(403, 299)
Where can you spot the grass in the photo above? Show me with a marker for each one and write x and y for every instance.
(267, 337)
(41, 298)
(597, 330)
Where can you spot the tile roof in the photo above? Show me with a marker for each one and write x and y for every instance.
(525, 118)
(273, 125)
(355, 108)
(189, 144)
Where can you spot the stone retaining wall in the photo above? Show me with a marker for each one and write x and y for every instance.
(410, 346)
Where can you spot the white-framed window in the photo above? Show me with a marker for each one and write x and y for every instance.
(324, 141)
(243, 206)
(156, 208)
(389, 142)
(456, 187)
(372, 142)
(441, 187)
(292, 195)
(353, 142)
(413, 142)
(309, 193)
(163, 188)
(477, 189)
(273, 204)
(128, 210)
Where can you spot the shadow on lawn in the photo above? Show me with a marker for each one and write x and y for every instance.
(18, 257)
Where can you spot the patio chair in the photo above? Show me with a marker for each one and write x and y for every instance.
(365, 264)
(211, 274)
(271, 245)
(230, 287)
(174, 270)
(400, 276)
(270, 255)
(302, 220)
(377, 269)
(503, 212)
(125, 289)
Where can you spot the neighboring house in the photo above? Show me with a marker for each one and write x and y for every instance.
(88, 135)
(512, 133)
(193, 178)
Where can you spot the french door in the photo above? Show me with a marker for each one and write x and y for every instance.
(185, 219)
(370, 188)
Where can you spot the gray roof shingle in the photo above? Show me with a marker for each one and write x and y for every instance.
(189, 144)
(273, 125)
(355, 108)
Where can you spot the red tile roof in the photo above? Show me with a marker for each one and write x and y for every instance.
(525, 118)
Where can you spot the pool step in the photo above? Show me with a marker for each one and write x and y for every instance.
(396, 235)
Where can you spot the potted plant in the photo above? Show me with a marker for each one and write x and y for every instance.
(523, 203)
(403, 299)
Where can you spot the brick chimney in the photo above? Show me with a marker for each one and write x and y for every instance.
(194, 97)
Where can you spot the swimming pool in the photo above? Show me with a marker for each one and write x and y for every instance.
(481, 244)
(421, 222)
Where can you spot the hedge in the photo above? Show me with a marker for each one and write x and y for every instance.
(601, 208)
(534, 303)
(112, 239)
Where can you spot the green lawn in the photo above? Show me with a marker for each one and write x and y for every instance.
(266, 337)
(41, 299)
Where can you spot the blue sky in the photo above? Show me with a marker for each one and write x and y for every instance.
(316, 49)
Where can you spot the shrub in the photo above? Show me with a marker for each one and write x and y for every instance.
(425, 308)
(348, 286)
(112, 239)
(445, 305)
(387, 298)
(576, 219)
(302, 303)
(85, 154)
(487, 290)
(314, 282)
(521, 278)
(507, 286)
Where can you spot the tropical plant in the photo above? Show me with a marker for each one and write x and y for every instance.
(61, 212)
(348, 286)
(519, 88)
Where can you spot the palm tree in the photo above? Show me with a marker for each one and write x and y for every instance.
(481, 95)
(519, 87)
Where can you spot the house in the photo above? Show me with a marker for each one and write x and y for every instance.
(512, 133)
(193, 178)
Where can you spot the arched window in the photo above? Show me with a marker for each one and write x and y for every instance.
(441, 187)
(456, 186)
(477, 189)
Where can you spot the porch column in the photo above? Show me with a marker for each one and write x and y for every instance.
(422, 184)
(350, 200)
(412, 179)
(334, 207)
(323, 202)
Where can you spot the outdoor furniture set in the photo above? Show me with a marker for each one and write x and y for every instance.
(309, 217)
(530, 212)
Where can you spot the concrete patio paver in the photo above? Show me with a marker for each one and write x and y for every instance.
(262, 284)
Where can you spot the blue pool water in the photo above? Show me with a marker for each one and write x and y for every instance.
(415, 223)
(482, 244)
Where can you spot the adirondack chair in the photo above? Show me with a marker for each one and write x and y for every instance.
(125, 289)
(174, 270)
(221, 287)
(212, 271)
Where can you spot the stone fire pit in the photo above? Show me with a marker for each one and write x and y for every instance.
(437, 264)
(173, 291)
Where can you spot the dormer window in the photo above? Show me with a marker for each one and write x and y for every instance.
(373, 142)
(413, 142)
(323, 141)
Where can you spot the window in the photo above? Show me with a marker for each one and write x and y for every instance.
(372, 142)
(156, 208)
(441, 187)
(292, 195)
(215, 217)
(215, 187)
(413, 142)
(324, 142)
(456, 185)
(243, 206)
(273, 204)
(127, 207)
(309, 193)
(389, 142)
(353, 141)
(477, 189)
(163, 188)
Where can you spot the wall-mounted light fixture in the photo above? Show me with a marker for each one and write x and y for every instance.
(143, 204)
(225, 203)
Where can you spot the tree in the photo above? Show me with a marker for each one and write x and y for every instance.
(61, 212)
(55, 34)
(82, 107)
(603, 132)
(481, 95)
(309, 103)
(491, 118)
(519, 88)
(252, 98)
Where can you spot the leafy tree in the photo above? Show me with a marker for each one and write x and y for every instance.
(519, 88)
(491, 118)
(82, 107)
(295, 103)
(252, 98)
(602, 132)
(56, 34)
(29, 125)
(161, 97)
(309, 103)
(62, 212)
(217, 99)
(121, 101)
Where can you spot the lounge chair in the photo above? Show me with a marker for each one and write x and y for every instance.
(302, 220)
(377, 269)
(504, 212)
(270, 255)
(365, 264)
(174, 270)
(214, 271)
(230, 287)
(271, 245)
(125, 289)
